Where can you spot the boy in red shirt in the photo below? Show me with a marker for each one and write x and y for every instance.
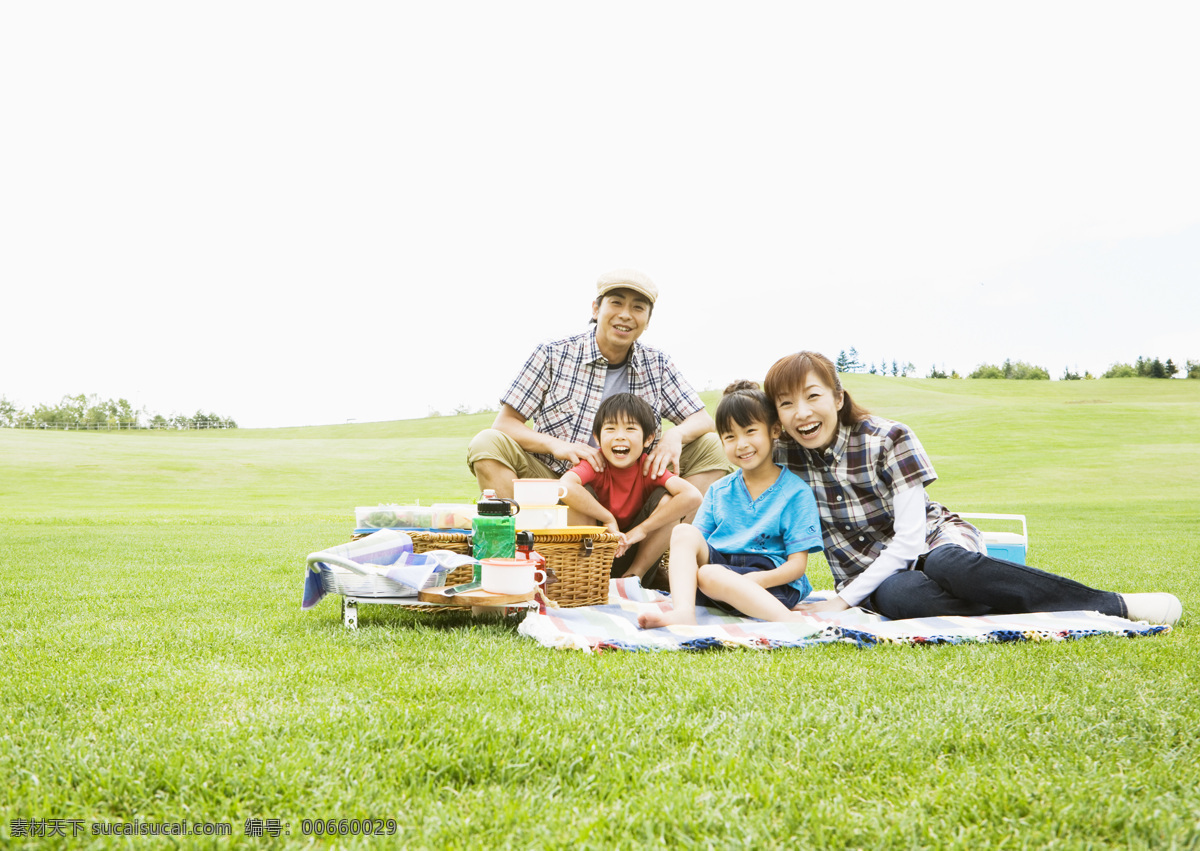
(622, 496)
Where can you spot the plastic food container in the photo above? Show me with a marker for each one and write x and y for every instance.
(394, 517)
(450, 516)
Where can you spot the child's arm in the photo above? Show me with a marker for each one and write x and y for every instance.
(791, 570)
(681, 500)
(579, 499)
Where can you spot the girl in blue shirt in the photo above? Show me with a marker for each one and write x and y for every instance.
(747, 550)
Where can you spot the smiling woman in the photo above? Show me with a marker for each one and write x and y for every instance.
(890, 547)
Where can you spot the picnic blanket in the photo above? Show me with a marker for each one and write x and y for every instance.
(614, 627)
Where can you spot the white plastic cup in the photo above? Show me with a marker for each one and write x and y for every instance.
(538, 491)
(511, 575)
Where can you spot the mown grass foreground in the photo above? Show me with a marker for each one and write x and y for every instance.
(155, 666)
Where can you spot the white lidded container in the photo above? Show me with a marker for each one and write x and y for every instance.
(1006, 545)
(542, 517)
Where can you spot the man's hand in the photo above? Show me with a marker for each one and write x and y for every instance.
(665, 454)
(834, 604)
(576, 452)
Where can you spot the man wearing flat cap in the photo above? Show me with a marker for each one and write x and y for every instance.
(563, 383)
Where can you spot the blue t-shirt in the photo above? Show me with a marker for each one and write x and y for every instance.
(783, 520)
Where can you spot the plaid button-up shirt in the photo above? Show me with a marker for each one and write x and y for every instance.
(562, 385)
(854, 481)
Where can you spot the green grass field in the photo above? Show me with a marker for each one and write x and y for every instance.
(155, 665)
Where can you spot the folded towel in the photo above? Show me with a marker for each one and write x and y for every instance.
(384, 553)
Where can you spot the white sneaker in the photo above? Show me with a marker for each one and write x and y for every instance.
(1154, 607)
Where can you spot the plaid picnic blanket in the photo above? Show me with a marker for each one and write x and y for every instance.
(614, 627)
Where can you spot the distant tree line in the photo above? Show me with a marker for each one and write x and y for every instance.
(1147, 368)
(850, 362)
(92, 412)
(1012, 369)
(1143, 368)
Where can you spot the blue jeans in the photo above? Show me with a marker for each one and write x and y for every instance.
(950, 580)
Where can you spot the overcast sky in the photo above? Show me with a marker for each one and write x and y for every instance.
(303, 213)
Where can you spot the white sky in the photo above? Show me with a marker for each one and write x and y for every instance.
(300, 213)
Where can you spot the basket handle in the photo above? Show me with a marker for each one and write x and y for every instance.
(1014, 517)
(329, 558)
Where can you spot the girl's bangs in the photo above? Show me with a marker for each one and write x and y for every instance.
(744, 408)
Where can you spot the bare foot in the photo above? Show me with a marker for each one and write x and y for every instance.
(653, 620)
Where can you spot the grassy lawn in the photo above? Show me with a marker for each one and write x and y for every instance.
(155, 665)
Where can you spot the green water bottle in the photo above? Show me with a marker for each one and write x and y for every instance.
(494, 529)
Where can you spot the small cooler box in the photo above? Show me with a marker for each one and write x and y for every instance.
(1006, 545)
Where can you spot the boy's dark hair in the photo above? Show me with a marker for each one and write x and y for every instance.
(744, 403)
(625, 406)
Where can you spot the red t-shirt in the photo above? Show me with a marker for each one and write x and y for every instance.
(621, 491)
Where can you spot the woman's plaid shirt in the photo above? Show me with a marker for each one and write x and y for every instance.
(854, 481)
(562, 385)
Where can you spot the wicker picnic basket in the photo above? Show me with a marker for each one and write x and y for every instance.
(580, 560)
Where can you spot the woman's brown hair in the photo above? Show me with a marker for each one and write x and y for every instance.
(789, 373)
